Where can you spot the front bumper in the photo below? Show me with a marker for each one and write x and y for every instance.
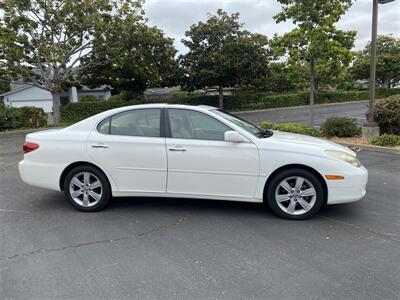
(351, 189)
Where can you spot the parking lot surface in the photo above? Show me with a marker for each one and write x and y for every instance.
(193, 249)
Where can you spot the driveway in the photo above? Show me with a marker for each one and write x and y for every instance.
(301, 114)
(191, 249)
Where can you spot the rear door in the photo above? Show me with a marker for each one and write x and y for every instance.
(130, 146)
(201, 163)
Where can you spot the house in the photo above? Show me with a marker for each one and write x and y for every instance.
(29, 95)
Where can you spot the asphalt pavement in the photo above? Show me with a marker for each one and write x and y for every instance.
(355, 110)
(161, 248)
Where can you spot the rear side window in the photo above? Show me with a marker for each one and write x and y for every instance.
(140, 122)
(104, 126)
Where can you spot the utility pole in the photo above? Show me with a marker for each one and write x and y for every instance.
(371, 128)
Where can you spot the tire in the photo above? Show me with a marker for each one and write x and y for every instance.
(87, 188)
(301, 199)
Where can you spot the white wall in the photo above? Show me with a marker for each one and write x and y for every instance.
(47, 105)
(32, 96)
(36, 97)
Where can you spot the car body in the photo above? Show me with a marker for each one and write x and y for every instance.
(185, 151)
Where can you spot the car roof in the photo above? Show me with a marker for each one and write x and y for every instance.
(160, 105)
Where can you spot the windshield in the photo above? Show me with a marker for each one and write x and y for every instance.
(250, 128)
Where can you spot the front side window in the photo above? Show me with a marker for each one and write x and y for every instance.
(140, 122)
(250, 128)
(189, 124)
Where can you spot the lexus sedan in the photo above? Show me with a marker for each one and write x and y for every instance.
(163, 150)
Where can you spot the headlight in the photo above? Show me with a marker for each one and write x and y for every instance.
(345, 157)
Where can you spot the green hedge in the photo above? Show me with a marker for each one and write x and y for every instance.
(21, 117)
(249, 101)
(292, 127)
(74, 112)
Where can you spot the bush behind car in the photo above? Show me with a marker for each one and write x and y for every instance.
(340, 127)
(21, 117)
(387, 114)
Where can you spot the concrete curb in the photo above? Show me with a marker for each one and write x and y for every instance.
(372, 148)
(300, 106)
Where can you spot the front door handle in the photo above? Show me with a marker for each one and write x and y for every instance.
(100, 146)
(181, 149)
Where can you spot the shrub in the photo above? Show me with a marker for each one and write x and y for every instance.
(340, 126)
(3, 114)
(386, 140)
(267, 125)
(387, 114)
(89, 98)
(22, 117)
(75, 112)
(291, 127)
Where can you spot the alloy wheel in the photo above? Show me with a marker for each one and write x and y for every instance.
(295, 195)
(85, 189)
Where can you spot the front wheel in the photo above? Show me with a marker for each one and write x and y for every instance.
(87, 188)
(295, 194)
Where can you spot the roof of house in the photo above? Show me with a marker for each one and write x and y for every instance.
(19, 88)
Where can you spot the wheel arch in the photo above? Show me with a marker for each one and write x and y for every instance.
(77, 164)
(296, 166)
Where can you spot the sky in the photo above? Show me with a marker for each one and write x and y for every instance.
(174, 17)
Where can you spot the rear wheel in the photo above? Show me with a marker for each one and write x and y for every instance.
(87, 188)
(295, 194)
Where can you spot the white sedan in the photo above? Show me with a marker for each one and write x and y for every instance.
(162, 150)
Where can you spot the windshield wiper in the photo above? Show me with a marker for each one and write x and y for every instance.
(265, 133)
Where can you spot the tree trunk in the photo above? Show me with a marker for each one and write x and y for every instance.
(56, 107)
(312, 89)
(221, 96)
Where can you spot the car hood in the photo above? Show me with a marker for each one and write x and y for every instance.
(286, 139)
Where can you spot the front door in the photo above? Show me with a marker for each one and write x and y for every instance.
(202, 164)
(130, 148)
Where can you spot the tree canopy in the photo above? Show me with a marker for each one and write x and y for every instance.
(315, 40)
(43, 41)
(387, 65)
(222, 54)
(129, 55)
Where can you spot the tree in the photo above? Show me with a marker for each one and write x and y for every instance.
(387, 65)
(222, 54)
(315, 39)
(4, 84)
(134, 55)
(42, 42)
(282, 77)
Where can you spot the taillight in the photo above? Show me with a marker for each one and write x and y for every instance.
(29, 147)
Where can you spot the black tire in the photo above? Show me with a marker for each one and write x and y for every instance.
(105, 188)
(289, 173)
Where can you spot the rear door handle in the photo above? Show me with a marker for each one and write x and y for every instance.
(181, 149)
(100, 146)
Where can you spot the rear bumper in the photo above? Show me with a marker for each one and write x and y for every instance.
(40, 175)
(351, 189)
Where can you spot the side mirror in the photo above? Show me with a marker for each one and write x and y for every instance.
(234, 137)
